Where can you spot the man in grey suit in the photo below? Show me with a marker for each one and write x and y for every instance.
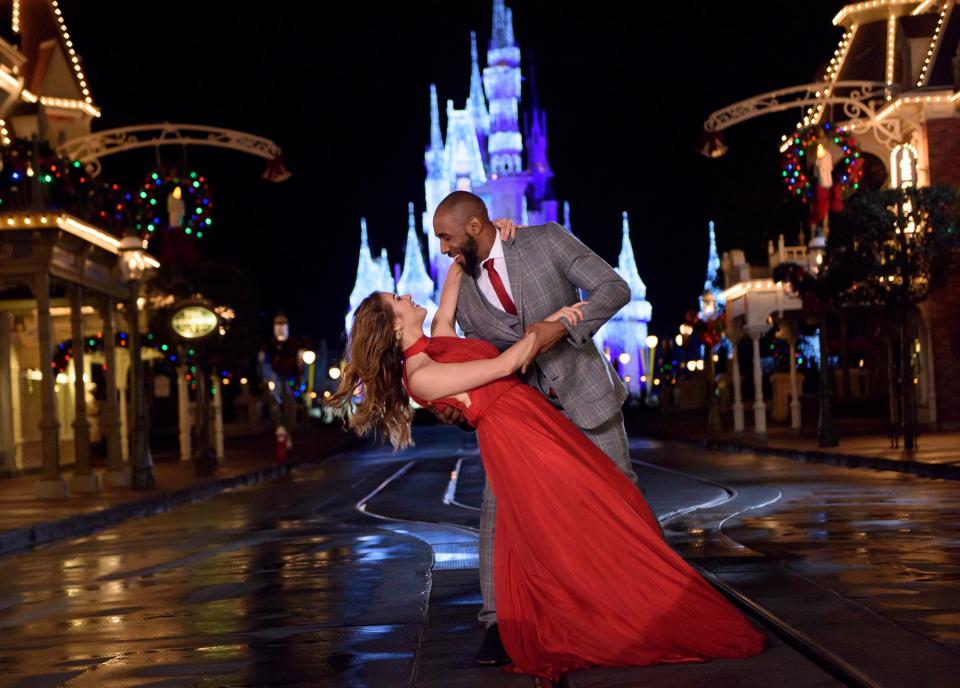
(507, 289)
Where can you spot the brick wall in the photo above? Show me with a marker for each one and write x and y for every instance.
(943, 143)
(944, 309)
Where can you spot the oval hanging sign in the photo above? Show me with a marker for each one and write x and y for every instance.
(194, 321)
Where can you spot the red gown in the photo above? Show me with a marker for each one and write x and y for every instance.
(582, 575)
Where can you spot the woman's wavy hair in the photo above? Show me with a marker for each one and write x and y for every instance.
(375, 372)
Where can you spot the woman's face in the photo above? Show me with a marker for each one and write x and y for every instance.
(406, 313)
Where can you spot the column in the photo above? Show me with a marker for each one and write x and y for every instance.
(8, 445)
(217, 417)
(51, 485)
(117, 474)
(183, 410)
(84, 479)
(759, 407)
(737, 398)
(794, 392)
(141, 461)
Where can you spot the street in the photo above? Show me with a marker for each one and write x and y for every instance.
(360, 571)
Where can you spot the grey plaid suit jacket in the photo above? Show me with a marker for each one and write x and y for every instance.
(546, 265)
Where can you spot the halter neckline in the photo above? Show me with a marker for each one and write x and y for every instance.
(417, 347)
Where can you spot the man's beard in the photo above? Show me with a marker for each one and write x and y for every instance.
(471, 261)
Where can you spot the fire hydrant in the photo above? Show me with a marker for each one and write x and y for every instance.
(282, 445)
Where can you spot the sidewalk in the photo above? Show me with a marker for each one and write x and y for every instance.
(26, 521)
(937, 454)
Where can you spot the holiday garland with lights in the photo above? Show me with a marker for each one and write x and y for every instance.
(168, 197)
(800, 155)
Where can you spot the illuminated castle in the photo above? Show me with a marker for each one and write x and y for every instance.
(484, 152)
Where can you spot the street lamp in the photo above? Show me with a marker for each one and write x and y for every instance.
(309, 358)
(651, 342)
(133, 265)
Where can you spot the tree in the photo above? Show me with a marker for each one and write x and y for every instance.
(892, 249)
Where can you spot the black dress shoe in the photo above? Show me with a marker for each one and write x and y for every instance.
(491, 651)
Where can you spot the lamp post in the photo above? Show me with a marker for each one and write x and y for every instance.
(310, 359)
(133, 265)
(651, 343)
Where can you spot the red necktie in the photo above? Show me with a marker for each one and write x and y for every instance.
(498, 287)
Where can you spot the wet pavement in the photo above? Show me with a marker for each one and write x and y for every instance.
(289, 584)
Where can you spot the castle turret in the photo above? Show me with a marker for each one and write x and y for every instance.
(437, 184)
(476, 101)
(501, 80)
(369, 275)
(387, 282)
(710, 304)
(624, 336)
(414, 279)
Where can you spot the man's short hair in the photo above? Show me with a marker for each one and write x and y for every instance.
(462, 205)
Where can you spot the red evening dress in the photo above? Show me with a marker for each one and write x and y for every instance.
(581, 573)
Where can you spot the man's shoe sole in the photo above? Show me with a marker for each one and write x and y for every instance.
(493, 662)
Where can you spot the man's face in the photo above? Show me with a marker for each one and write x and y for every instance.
(457, 242)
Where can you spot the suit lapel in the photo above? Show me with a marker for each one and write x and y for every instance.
(486, 314)
(511, 256)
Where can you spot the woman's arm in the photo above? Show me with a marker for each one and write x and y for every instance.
(444, 321)
(432, 380)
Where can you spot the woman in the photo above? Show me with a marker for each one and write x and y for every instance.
(583, 576)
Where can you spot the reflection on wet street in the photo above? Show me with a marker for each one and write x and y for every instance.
(288, 584)
(264, 586)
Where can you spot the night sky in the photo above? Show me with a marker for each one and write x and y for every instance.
(343, 89)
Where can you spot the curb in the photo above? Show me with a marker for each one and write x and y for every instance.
(19, 539)
(877, 463)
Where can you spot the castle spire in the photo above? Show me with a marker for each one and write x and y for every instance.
(713, 262)
(414, 279)
(501, 80)
(498, 32)
(709, 305)
(508, 28)
(387, 283)
(436, 141)
(628, 263)
(368, 275)
(476, 101)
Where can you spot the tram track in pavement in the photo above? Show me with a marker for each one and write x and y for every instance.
(454, 545)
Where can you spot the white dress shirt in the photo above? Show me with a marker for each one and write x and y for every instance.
(500, 265)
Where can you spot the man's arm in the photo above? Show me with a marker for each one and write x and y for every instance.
(608, 292)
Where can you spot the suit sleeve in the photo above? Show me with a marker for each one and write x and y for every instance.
(608, 292)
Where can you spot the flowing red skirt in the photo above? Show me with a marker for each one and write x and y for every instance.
(582, 575)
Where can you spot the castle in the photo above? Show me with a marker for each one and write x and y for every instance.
(484, 152)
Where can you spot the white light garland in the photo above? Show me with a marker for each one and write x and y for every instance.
(4, 133)
(934, 43)
(891, 51)
(916, 100)
(73, 53)
(15, 19)
(832, 74)
(72, 225)
(856, 8)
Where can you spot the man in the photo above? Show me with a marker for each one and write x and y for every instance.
(508, 288)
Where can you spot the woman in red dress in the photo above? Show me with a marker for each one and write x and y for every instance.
(583, 576)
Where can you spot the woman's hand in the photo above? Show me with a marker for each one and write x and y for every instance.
(507, 228)
(574, 313)
(522, 350)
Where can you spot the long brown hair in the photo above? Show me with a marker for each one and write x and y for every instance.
(375, 370)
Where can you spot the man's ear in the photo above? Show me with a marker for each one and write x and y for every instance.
(474, 225)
